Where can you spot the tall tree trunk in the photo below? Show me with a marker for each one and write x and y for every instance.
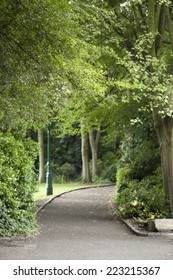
(41, 178)
(170, 119)
(94, 139)
(164, 129)
(163, 125)
(85, 158)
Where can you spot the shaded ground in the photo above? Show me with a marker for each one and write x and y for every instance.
(80, 225)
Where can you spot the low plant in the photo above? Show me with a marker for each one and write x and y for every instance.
(63, 173)
(143, 200)
(123, 176)
(109, 172)
(100, 180)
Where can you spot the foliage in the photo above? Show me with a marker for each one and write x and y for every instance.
(133, 40)
(142, 158)
(66, 150)
(66, 172)
(16, 185)
(100, 180)
(143, 200)
(139, 153)
(106, 170)
(108, 173)
(123, 177)
(36, 40)
(92, 63)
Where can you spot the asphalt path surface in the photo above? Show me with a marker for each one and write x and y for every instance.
(80, 226)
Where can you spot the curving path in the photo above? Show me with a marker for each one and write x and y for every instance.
(80, 225)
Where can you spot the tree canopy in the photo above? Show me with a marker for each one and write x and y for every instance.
(36, 40)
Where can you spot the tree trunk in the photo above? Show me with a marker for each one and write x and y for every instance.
(41, 178)
(94, 139)
(164, 129)
(85, 158)
(163, 125)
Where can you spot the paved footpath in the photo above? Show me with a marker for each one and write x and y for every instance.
(80, 225)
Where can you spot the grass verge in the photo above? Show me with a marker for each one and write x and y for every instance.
(59, 188)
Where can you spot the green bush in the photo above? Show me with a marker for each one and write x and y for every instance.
(68, 171)
(108, 158)
(139, 155)
(100, 180)
(64, 173)
(17, 184)
(144, 200)
(109, 172)
(106, 168)
(123, 176)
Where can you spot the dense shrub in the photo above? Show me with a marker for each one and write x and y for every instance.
(143, 200)
(106, 168)
(64, 173)
(123, 176)
(108, 158)
(17, 184)
(141, 156)
(109, 172)
(68, 171)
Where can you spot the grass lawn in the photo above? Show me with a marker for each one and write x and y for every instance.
(59, 188)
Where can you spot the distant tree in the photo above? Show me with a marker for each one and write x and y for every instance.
(41, 178)
(94, 141)
(86, 176)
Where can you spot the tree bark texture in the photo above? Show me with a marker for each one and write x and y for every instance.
(94, 140)
(159, 17)
(164, 129)
(41, 178)
(85, 158)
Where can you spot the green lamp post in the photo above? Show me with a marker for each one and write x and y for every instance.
(49, 189)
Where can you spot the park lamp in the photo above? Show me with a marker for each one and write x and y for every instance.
(49, 189)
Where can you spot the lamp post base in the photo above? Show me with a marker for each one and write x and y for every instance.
(49, 189)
